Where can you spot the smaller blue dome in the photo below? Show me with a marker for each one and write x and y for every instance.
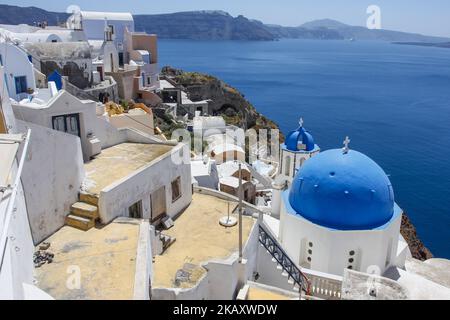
(299, 137)
(342, 190)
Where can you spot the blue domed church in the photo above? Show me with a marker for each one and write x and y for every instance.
(338, 212)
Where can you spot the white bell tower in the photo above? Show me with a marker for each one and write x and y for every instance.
(299, 146)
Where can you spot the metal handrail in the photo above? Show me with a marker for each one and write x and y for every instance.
(283, 259)
(10, 207)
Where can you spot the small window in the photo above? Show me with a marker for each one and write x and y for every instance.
(21, 84)
(135, 211)
(302, 161)
(148, 80)
(176, 189)
(111, 28)
(1, 61)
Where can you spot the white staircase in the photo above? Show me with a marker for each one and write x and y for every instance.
(314, 284)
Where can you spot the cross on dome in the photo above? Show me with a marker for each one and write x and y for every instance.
(300, 122)
(346, 143)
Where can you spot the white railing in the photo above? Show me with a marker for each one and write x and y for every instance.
(323, 285)
(11, 201)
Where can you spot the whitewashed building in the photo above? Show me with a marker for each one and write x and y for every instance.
(93, 25)
(19, 75)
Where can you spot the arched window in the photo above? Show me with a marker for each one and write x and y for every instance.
(302, 161)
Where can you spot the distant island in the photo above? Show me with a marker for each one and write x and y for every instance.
(427, 44)
(220, 25)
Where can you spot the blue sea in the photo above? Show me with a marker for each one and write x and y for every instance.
(392, 100)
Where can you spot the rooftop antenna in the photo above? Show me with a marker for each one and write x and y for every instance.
(345, 149)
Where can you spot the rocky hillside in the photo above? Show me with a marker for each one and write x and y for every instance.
(418, 249)
(226, 100)
(29, 15)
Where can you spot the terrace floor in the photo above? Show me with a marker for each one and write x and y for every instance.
(199, 238)
(255, 293)
(119, 161)
(105, 257)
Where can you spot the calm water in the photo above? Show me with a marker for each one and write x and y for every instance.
(392, 100)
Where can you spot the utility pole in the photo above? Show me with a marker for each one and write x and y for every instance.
(240, 213)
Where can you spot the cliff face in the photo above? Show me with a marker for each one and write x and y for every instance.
(418, 249)
(202, 25)
(29, 15)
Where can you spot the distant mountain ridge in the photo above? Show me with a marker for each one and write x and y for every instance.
(29, 15)
(220, 25)
(202, 25)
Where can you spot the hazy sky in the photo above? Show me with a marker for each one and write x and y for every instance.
(431, 17)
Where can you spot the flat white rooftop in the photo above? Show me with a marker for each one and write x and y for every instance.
(119, 161)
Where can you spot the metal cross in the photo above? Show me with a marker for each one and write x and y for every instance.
(346, 142)
(300, 122)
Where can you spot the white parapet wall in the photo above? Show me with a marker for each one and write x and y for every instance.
(144, 265)
(223, 278)
(52, 176)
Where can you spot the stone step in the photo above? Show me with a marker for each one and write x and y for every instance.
(89, 198)
(84, 209)
(79, 222)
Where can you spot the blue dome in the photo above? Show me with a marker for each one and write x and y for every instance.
(344, 191)
(299, 136)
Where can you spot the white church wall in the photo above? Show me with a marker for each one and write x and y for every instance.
(330, 250)
(291, 161)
